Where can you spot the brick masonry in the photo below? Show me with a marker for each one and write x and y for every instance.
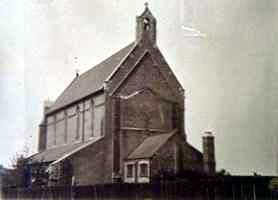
(176, 155)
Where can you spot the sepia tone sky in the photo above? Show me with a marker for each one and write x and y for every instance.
(227, 65)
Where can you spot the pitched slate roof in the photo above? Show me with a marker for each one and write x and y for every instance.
(150, 145)
(91, 81)
(53, 154)
(77, 149)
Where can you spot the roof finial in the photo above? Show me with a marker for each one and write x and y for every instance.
(146, 5)
(76, 70)
(77, 73)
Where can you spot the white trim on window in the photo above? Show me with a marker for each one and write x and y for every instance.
(132, 178)
(143, 179)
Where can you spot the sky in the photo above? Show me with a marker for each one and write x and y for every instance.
(222, 51)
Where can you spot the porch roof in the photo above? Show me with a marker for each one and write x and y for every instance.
(58, 153)
(151, 145)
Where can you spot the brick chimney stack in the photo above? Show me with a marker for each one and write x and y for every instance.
(42, 128)
(209, 153)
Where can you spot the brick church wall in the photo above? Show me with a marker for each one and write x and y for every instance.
(176, 155)
(145, 110)
(164, 159)
(92, 165)
(147, 74)
(129, 140)
(192, 158)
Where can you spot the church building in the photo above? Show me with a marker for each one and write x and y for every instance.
(120, 121)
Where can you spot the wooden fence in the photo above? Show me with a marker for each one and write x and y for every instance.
(210, 189)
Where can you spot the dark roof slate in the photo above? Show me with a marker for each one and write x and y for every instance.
(150, 145)
(54, 154)
(90, 81)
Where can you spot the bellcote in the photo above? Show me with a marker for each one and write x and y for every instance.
(146, 26)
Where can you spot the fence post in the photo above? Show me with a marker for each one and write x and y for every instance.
(254, 192)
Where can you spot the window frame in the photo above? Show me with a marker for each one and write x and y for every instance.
(92, 109)
(145, 178)
(146, 170)
(78, 113)
(130, 170)
(127, 177)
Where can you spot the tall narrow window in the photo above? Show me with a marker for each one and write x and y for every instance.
(78, 122)
(66, 127)
(55, 134)
(82, 121)
(102, 126)
(92, 108)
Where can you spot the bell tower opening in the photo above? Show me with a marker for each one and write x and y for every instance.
(146, 26)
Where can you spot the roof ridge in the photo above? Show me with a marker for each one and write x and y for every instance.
(124, 58)
(91, 80)
(103, 61)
